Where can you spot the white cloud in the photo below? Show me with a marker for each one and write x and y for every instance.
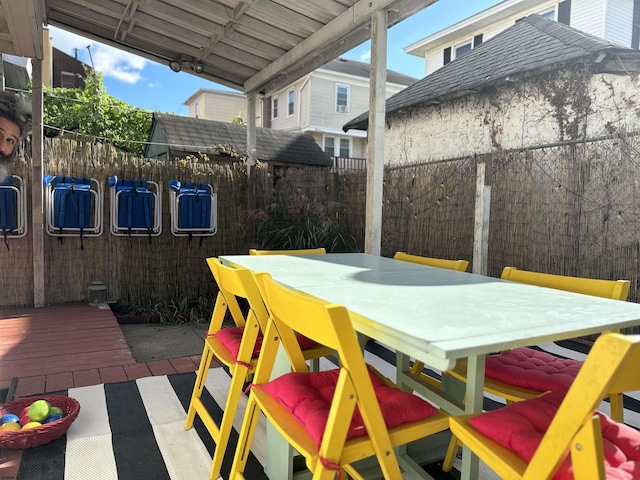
(366, 56)
(154, 84)
(118, 64)
(110, 61)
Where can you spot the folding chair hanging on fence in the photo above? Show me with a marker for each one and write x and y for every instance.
(193, 209)
(136, 208)
(13, 208)
(73, 207)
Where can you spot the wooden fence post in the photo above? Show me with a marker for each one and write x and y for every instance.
(481, 221)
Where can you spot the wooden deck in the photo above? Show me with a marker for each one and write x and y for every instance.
(54, 348)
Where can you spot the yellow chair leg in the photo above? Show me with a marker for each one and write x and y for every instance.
(226, 424)
(587, 452)
(417, 367)
(203, 369)
(450, 456)
(249, 424)
(617, 407)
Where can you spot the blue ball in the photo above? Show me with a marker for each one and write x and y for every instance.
(53, 418)
(9, 417)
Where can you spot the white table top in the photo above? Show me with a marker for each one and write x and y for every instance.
(439, 315)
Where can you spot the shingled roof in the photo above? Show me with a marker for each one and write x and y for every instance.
(361, 69)
(189, 135)
(532, 45)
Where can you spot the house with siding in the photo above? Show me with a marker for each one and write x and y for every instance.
(318, 104)
(219, 105)
(539, 82)
(617, 21)
(175, 137)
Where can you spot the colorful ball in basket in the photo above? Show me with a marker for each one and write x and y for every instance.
(53, 418)
(24, 418)
(39, 410)
(38, 434)
(56, 411)
(10, 427)
(31, 425)
(9, 418)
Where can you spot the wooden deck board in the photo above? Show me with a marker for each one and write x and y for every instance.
(58, 339)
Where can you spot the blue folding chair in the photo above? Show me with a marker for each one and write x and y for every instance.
(13, 208)
(136, 208)
(73, 207)
(193, 209)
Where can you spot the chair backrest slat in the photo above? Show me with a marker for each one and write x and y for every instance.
(301, 251)
(460, 265)
(237, 283)
(614, 289)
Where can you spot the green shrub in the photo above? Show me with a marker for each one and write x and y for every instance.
(304, 224)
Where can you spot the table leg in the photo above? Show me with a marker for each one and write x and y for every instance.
(474, 400)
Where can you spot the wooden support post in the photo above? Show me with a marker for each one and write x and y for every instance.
(37, 189)
(375, 147)
(251, 150)
(481, 223)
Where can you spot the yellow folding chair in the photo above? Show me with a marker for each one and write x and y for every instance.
(302, 251)
(560, 435)
(519, 362)
(459, 265)
(236, 347)
(341, 415)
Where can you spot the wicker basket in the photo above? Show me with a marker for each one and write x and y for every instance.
(34, 437)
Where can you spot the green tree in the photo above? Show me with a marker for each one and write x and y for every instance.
(238, 120)
(93, 111)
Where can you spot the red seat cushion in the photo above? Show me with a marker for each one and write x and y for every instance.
(529, 368)
(308, 397)
(231, 337)
(520, 427)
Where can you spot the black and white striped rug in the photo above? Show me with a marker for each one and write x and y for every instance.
(135, 430)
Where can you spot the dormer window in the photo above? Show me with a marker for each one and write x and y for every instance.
(458, 50)
(461, 49)
(549, 14)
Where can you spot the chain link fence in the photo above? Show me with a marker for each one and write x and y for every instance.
(570, 209)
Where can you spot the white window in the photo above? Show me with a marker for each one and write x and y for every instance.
(549, 14)
(337, 146)
(462, 48)
(67, 80)
(342, 98)
(196, 110)
(345, 148)
(329, 145)
(291, 101)
(274, 107)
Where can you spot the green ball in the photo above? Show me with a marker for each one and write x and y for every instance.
(39, 410)
(56, 411)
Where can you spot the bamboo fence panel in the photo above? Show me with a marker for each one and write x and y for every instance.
(569, 209)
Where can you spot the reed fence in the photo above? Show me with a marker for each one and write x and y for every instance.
(569, 209)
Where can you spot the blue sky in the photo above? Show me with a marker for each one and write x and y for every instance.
(154, 86)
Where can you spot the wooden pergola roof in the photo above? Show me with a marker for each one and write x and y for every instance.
(248, 45)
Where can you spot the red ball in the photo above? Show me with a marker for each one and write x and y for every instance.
(24, 416)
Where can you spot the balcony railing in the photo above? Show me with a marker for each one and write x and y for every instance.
(349, 163)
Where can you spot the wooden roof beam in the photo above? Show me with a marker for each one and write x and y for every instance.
(27, 41)
(357, 15)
